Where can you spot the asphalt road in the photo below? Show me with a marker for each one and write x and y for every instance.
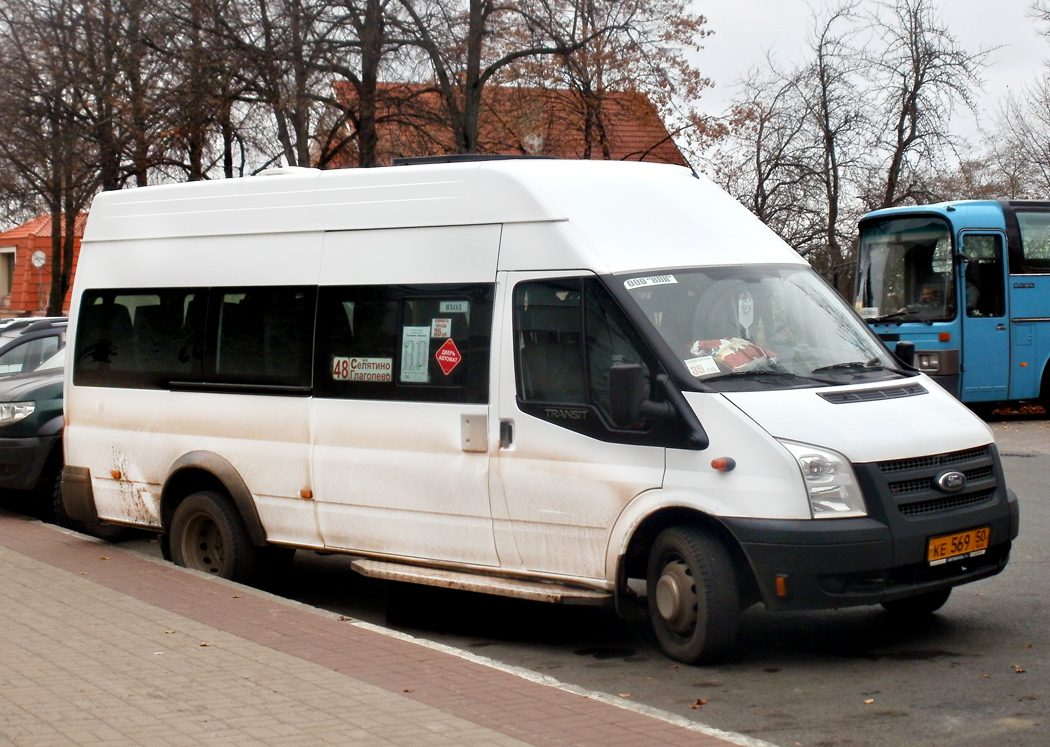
(976, 673)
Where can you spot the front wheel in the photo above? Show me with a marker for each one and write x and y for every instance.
(208, 535)
(694, 602)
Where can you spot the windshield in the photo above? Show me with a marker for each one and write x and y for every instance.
(905, 270)
(756, 327)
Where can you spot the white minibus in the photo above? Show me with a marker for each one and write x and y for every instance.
(568, 381)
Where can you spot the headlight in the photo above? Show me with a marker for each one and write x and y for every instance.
(12, 412)
(830, 482)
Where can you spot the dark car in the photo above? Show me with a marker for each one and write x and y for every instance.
(26, 343)
(31, 446)
(31, 432)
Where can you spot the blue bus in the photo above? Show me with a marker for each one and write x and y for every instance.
(968, 283)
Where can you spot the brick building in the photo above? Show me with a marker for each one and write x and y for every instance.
(521, 121)
(25, 267)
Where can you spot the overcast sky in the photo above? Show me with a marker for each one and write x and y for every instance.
(744, 30)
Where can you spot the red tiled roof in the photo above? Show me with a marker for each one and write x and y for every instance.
(40, 227)
(521, 121)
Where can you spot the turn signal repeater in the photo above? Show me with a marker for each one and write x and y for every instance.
(723, 464)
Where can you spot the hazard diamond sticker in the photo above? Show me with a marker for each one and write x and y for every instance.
(448, 356)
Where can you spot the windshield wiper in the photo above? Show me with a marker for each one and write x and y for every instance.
(871, 365)
(764, 372)
(902, 315)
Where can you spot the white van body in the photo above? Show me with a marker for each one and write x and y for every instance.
(471, 436)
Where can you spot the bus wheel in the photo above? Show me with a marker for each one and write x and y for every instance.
(694, 602)
(208, 535)
(918, 605)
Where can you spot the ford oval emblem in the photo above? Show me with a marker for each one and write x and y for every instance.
(951, 482)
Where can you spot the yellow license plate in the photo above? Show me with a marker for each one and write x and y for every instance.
(958, 546)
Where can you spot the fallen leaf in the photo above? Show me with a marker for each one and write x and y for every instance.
(238, 596)
(102, 557)
(1018, 670)
(408, 690)
(205, 644)
(625, 695)
(869, 701)
(700, 703)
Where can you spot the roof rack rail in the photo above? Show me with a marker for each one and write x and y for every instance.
(463, 158)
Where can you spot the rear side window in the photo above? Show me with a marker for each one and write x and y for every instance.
(139, 338)
(413, 343)
(197, 337)
(1035, 239)
(28, 355)
(261, 336)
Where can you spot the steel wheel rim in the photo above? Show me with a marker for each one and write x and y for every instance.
(202, 546)
(676, 598)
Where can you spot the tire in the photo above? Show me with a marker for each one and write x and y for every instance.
(208, 535)
(919, 605)
(694, 601)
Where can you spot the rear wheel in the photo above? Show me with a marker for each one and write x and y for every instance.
(694, 602)
(921, 604)
(208, 535)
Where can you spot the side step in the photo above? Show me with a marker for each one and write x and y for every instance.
(537, 591)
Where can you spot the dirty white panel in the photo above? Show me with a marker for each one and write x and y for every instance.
(393, 478)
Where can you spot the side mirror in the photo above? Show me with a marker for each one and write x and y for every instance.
(905, 352)
(627, 392)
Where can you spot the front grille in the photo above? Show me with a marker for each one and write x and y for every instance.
(912, 483)
(947, 503)
(927, 483)
(937, 460)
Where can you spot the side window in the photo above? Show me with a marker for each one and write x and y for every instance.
(569, 334)
(261, 336)
(26, 356)
(1034, 228)
(411, 343)
(139, 338)
(983, 274)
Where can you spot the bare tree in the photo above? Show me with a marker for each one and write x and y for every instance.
(635, 46)
(43, 132)
(925, 76)
(1021, 146)
(466, 46)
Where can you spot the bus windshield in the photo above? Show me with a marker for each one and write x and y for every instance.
(759, 327)
(906, 270)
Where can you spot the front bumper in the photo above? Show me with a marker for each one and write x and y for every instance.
(22, 460)
(831, 563)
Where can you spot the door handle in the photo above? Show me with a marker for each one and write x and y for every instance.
(1000, 326)
(506, 433)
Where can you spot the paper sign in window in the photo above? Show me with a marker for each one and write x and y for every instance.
(415, 349)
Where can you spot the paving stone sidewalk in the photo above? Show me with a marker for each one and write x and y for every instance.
(103, 647)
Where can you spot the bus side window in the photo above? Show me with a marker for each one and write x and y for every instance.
(425, 343)
(264, 336)
(983, 275)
